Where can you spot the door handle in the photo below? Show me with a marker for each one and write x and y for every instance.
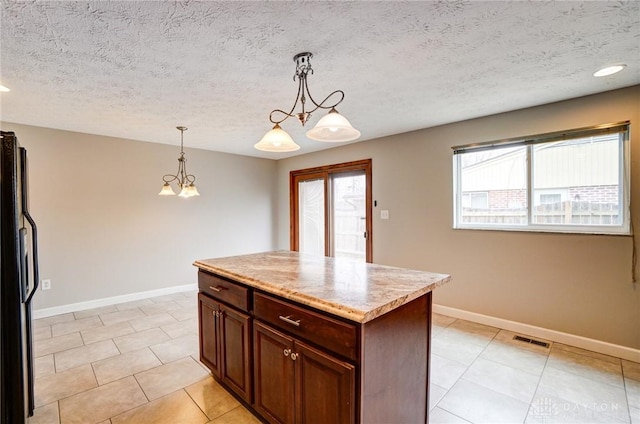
(34, 241)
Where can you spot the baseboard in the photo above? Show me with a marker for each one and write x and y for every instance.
(106, 301)
(544, 333)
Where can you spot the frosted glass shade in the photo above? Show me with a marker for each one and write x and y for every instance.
(193, 191)
(333, 128)
(167, 190)
(277, 140)
(189, 190)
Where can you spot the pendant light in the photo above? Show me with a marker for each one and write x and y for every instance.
(185, 181)
(277, 140)
(331, 128)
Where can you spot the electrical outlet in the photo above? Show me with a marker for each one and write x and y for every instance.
(46, 284)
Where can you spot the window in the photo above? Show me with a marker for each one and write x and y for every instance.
(473, 200)
(550, 199)
(573, 181)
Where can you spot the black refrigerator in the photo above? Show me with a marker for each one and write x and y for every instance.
(19, 268)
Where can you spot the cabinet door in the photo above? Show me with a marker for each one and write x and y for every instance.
(325, 387)
(273, 369)
(208, 319)
(235, 349)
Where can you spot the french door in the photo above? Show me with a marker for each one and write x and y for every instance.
(331, 210)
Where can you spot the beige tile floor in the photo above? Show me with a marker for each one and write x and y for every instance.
(135, 362)
(481, 375)
(138, 363)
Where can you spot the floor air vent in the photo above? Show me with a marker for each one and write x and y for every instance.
(532, 341)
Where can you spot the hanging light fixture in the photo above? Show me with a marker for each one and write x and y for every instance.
(331, 128)
(186, 182)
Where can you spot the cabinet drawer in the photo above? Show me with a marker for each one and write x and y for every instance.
(329, 333)
(224, 290)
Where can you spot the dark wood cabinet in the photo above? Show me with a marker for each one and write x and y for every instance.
(274, 372)
(209, 337)
(225, 344)
(325, 387)
(297, 383)
(331, 334)
(235, 351)
(294, 364)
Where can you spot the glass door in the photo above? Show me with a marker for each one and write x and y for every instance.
(331, 210)
(349, 215)
(311, 224)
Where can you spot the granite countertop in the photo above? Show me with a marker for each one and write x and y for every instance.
(356, 291)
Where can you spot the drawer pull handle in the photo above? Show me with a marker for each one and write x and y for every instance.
(286, 352)
(288, 320)
(294, 356)
(217, 289)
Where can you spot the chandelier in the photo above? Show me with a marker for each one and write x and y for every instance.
(185, 182)
(332, 127)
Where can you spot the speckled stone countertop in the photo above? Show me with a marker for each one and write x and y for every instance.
(356, 291)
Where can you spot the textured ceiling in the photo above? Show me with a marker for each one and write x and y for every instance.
(137, 69)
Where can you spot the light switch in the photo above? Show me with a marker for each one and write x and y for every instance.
(384, 214)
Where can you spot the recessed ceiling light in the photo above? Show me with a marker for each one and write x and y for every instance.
(3, 89)
(609, 70)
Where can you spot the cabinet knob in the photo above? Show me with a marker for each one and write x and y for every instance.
(294, 356)
(286, 352)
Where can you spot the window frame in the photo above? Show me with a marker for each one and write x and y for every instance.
(624, 180)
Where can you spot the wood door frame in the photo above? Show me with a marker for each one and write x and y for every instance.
(325, 172)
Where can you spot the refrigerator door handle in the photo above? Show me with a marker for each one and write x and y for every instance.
(36, 274)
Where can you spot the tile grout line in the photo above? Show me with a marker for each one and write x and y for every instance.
(197, 405)
(455, 382)
(493, 338)
(589, 378)
(545, 368)
(135, 407)
(626, 392)
(479, 355)
(538, 384)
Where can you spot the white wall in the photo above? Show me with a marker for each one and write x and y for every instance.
(577, 284)
(103, 229)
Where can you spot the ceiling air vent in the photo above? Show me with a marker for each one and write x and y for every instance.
(532, 341)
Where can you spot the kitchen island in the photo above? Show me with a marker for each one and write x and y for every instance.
(307, 339)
